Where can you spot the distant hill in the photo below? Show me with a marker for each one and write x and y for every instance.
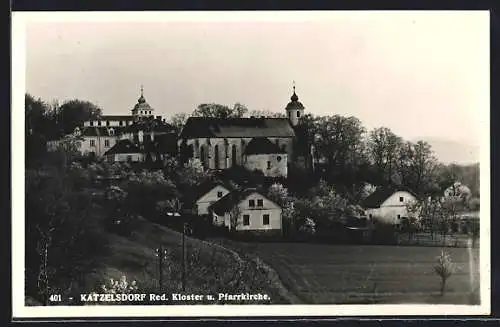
(448, 151)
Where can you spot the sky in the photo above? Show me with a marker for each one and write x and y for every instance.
(422, 74)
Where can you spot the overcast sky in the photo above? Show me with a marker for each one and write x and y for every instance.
(422, 74)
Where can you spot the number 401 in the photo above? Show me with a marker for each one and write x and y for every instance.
(55, 298)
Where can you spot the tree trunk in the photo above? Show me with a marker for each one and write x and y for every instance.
(443, 286)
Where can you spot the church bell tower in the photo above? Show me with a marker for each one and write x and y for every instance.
(294, 109)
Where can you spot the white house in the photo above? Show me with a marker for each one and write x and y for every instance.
(207, 195)
(124, 151)
(248, 210)
(389, 204)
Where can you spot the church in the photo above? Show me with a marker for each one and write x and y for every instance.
(256, 143)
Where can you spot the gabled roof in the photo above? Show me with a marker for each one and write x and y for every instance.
(227, 202)
(101, 131)
(202, 189)
(123, 146)
(115, 117)
(149, 124)
(237, 127)
(381, 194)
(262, 145)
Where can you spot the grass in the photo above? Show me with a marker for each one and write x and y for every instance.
(210, 268)
(357, 274)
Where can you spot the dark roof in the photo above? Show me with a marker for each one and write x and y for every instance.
(115, 117)
(148, 124)
(237, 127)
(381, 194)
(101, 131)
(163, 143)
(227, 202)
(261, 145)
(123, 146)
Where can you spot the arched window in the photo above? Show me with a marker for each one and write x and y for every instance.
(298, 113)
(233, 155)
(216, 157)
(203, 157)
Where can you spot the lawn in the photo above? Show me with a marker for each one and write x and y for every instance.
(361, 274)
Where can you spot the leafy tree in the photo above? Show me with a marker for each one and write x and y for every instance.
(383, 147)
(178, 121)
(73, 113)
(215, 110)
(266, 113)
(278, 194)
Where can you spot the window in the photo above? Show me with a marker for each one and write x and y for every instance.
(99, 123)
(121, 123)
(370, 215)
(91, 123)
(107, 122)
(92, 142)
(150, 112)
(129, 158)
(269, 165)
(399, 217)
(278, 158)
(265, 219)
(260, 203)
(219, 194)
(111, 132)
(401, 199)
(251, 203)
(246, 220)
(106, 142)
(298, 114)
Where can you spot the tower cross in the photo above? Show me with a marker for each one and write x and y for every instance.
(142, 90)
(293, 86)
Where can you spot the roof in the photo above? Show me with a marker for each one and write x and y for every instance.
(166, 144)
(100, 131)
(294, 102)
(381, 194)
(123, 146)
(115, 117)
(148, 124)
(262, 145)
(227, 202)
(237, 127)
(202, 189)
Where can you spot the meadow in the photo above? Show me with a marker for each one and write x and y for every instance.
(365, 274)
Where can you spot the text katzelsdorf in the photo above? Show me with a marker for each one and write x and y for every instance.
(173, 297)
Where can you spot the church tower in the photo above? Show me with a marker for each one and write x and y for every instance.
(142, 108)
(294, 109)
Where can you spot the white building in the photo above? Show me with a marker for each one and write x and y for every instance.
(389, 204)
(208, 194)
(248, 211)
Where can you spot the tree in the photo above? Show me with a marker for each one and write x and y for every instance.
(266, 113)
(416, 165)
(383, 147)
(278, 194)
(178, 121)
(234, 216)
(73, 113)
(215, 110)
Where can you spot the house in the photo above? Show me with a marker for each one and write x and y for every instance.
(267, 157)
(205, 195)
(222, 143)
(124, 151)
(389, 204)
(248, 211)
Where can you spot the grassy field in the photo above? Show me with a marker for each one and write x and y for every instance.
(210, 268)
(333, 274)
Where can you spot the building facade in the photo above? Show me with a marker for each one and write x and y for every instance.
(389, 205)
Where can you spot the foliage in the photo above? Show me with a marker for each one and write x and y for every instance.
(214, 110)
(266, 113)
(383, 147)
(119, 286)
(278, 193)
(178, 120)
(308, 227)
(444, 268)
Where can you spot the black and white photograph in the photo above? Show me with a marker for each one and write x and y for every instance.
(217, 164)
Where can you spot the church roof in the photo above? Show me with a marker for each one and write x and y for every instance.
(237, 127)
(262, 145)
(123, 146)
(142, 103)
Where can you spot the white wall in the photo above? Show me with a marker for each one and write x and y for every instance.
(227, 162)
(124, 157)
(99, 146)
(256, 214)
(259, 161)
(112, 123)
(211, 197)
(391, 208)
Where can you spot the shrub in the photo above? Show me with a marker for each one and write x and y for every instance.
(444, 268)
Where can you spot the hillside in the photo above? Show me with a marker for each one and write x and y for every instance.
(448, 151)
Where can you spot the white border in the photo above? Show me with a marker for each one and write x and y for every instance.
(19, 21)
